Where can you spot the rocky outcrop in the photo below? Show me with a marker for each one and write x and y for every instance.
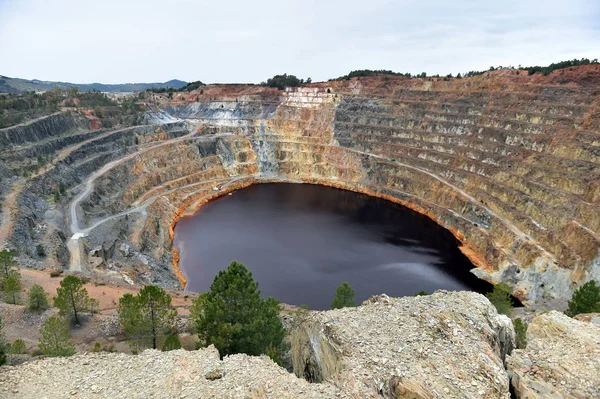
(562, 359)
(438, 346)
(155, 374)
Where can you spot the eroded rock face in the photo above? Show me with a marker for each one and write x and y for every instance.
(562, 359)
(438, 346)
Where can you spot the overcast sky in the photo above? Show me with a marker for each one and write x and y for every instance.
(118, 41)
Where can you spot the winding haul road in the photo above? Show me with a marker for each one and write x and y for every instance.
(75, 244)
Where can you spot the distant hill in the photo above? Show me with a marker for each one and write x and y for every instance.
(16, 85)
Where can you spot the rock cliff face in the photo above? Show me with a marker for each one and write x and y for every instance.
(509, 163)
(562, 359)
(442, 345)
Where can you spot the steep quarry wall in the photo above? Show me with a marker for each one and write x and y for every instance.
(509, 163)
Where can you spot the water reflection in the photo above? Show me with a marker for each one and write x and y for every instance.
(302, 241)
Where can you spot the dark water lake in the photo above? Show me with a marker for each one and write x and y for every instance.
(302, 241)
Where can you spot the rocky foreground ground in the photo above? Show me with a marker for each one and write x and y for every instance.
(446, 345)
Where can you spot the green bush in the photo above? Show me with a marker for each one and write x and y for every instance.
(171, 343)
(38, 299)
(344, 297)
(521, 333)
(500, 297)
(586, 299)
(234, 318)
(18, 347)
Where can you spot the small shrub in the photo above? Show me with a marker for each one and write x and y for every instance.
(344, 297)
(500, 297)
(39, 249)
(38, 299)
(273, 353)
(171, 343)
(586, 299)
(521, 332)
(18, 347)
(421, 293)
(97, 347)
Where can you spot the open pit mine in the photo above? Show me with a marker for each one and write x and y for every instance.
(508, 163)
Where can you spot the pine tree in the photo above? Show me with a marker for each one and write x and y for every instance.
(7, 266)
(12, 288)
(56, 337)
(147, 317)
(18, 347)
(71, 298)
(586, 299)
(7, 262)
(521, 333)
(38, 299)
(344, 297)
(500, 297)
(234, 318)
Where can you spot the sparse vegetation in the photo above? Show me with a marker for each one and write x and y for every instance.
(559, 65)
(72, 298)
(500, 297)
(344, 297)
(147, 318)
(370, 72)
(233, 316)
(283, 81)
(56, 338)
(586, 299)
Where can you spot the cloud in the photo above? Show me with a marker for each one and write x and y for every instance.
(232, 41)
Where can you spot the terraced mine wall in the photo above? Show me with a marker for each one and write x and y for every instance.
(509, 163)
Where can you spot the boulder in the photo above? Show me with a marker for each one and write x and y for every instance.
(561, 360)
(449, 344)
